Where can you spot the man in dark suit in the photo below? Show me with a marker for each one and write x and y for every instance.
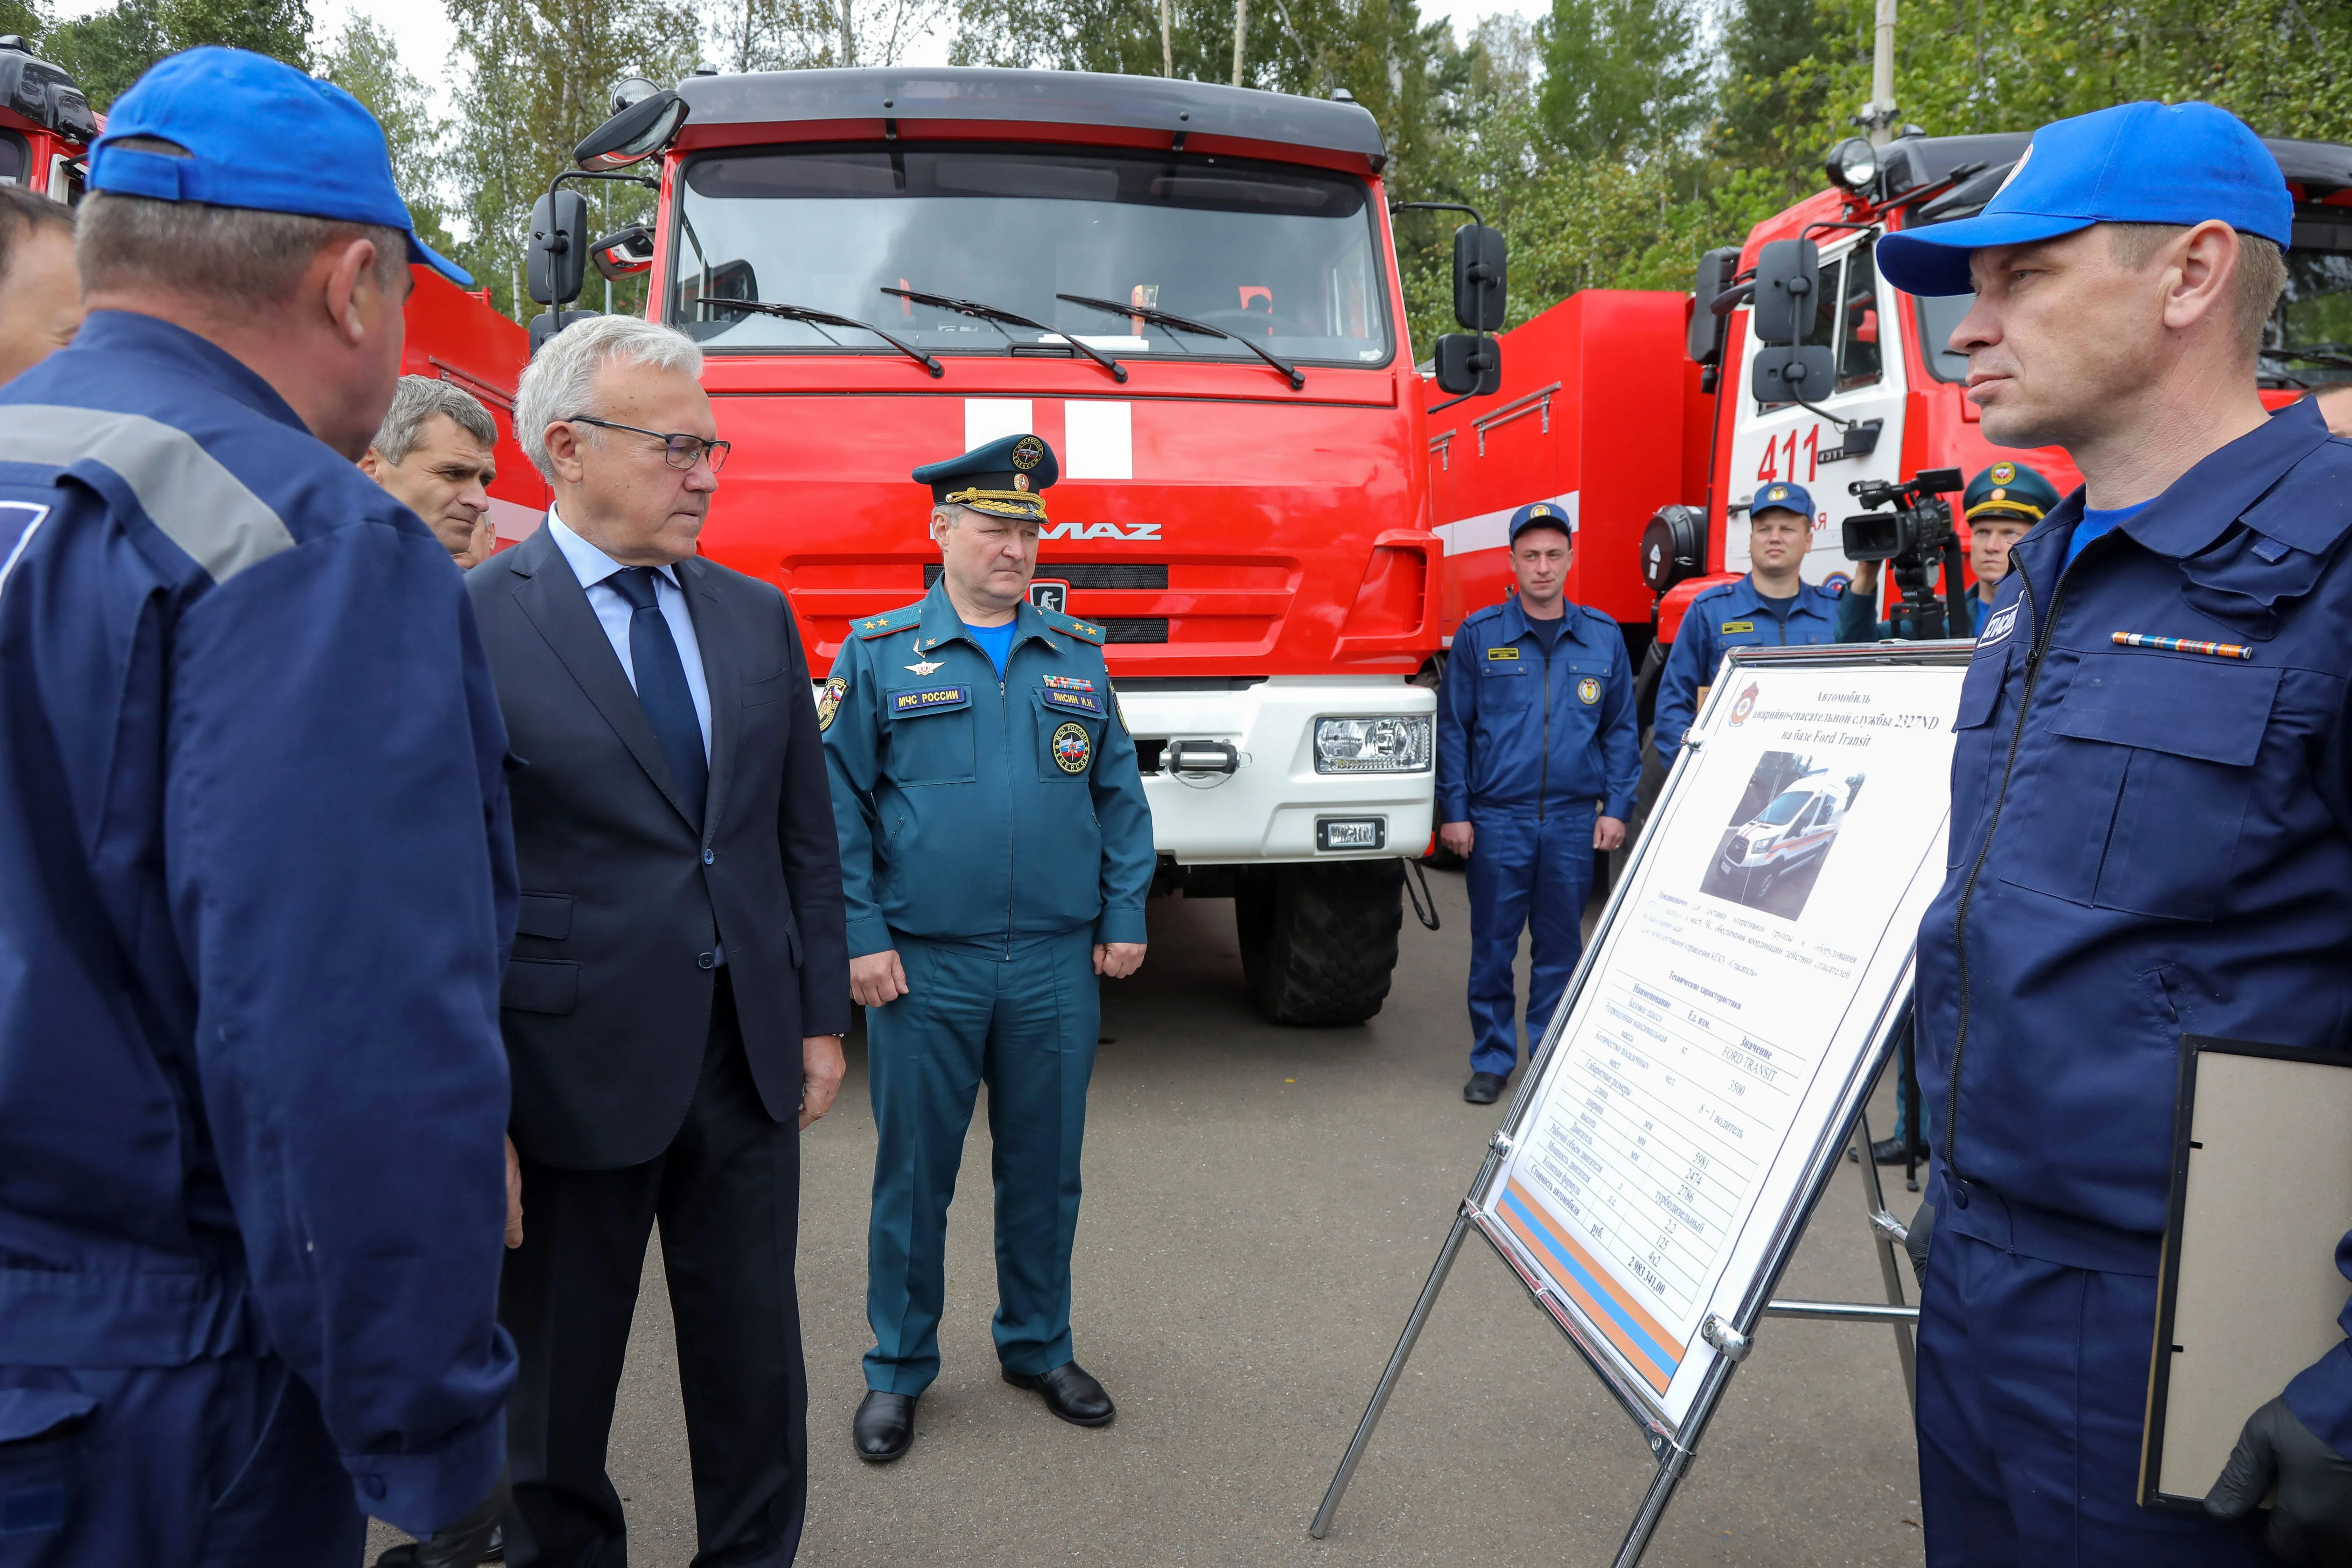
(679, 985)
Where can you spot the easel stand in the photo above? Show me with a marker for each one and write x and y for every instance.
(1675, 1452)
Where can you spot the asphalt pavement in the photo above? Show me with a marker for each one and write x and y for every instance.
(1262, 1207)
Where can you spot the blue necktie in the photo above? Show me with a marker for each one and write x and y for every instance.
(661, 686)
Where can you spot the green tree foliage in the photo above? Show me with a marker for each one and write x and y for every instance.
(108, 50)
(532, 77)
(1622, 77)
(365, 61)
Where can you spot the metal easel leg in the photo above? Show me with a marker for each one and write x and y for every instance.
(1363, 1437)
(1889, 1233)
(1672, 1465)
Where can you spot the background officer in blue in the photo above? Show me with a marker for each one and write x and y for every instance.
(2001, 504)
(1536, 723)
(2151, 833)
(1772, 605)
(995, 852)
(254, 879)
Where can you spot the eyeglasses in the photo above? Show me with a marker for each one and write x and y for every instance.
(679, 451)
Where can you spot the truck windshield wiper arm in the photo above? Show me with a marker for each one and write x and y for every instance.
(996, 318)
(1178, 323)
(814, 318)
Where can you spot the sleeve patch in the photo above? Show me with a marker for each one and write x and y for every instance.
(828, 705)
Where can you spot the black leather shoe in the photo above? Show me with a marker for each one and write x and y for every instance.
(1484, 1088)
(885, 1427)
(1070, 1394)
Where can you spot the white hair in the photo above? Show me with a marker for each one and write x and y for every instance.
(559, 383)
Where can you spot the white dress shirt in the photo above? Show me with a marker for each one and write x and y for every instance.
(592, 567)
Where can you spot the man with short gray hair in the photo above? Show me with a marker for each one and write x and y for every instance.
(40, 297)
(680, 978)
(434, 452)
(254, 879)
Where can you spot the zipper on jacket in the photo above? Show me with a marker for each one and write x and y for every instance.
(2048, 624)
(1543, 765)
(1011, 860)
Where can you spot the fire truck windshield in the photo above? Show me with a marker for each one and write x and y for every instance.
(1282, 255)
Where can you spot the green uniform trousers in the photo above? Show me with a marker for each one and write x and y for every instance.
(1023, 1018)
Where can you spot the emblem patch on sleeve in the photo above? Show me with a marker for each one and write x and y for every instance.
(828, 705)
(1073, 748)
(1587, 690)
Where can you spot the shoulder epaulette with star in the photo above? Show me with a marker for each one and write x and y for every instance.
(895, 620)
(1085, 631)
(1484, 613)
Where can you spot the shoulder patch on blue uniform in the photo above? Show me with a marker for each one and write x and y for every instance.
(1085, 631)
(890, 621)
(1484, 613)
(931, 700)
(184, 490)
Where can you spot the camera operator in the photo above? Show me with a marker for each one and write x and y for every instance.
(1771, 605)
(2001, 504)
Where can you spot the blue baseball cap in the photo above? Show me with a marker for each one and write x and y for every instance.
(1782, 498)
(260, 135)
(2137, 162)
(1542, 514)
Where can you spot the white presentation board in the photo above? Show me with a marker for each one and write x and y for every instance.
(1701, 1060)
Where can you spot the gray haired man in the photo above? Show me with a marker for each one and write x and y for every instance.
(433, 453)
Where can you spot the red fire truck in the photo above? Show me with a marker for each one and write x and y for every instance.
(45, 129)
(1639, 413)
(1190, 292)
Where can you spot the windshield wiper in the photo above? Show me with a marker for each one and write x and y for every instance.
(816, 318)
(996, 318)
(1177, 323)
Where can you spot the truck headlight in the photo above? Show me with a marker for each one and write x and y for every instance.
(1399, 743)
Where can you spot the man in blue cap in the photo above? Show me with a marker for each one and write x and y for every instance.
(254, 879)
(2001, 504)
(1773, 605)
(1539, 754)
(2151, 833)
(995, 853)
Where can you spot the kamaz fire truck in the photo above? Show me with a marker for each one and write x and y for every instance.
(1190, 292)
(1649, 417)
(45, 129)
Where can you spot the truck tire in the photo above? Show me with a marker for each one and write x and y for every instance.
(1319, 942)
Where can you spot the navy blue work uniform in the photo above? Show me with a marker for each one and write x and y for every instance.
(2146, 843)
(994, 829)
(255, 883)
(1733, 615)
(1854, 625)
(1530, 733)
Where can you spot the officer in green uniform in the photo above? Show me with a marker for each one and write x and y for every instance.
(996, 850)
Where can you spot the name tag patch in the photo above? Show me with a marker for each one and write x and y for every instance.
(1500, 654)
(1080, 701)
(1999, 626)
(932, 699)
(1731, 628)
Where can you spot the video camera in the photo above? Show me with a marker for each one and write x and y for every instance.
(1914, 536)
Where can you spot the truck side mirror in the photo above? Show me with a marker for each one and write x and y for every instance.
(558, 253)
(624, 254)
(1480, 278)
(1792, 375)
(632, 136)
(1707, 330)
(1788, 284)
(1469, 365)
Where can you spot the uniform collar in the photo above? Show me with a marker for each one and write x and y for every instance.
(940, 623)
(152, 337)
(1743, 597)
(1517, 624)
(2200, 506)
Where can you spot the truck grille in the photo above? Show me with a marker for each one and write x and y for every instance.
(1124, 574)
(1132, 629)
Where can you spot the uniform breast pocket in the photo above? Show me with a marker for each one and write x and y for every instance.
(2146, 796)
(1976, 743)
(930, 738)
(1507, 684)
(1069, 730)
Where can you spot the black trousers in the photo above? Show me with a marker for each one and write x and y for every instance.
(726, 1196)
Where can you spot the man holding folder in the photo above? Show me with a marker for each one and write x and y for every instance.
(2151, 833)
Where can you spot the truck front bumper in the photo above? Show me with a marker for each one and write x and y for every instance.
(1271, 806)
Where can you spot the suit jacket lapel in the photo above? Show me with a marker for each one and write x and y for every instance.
(551, 595)
(719, 675)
